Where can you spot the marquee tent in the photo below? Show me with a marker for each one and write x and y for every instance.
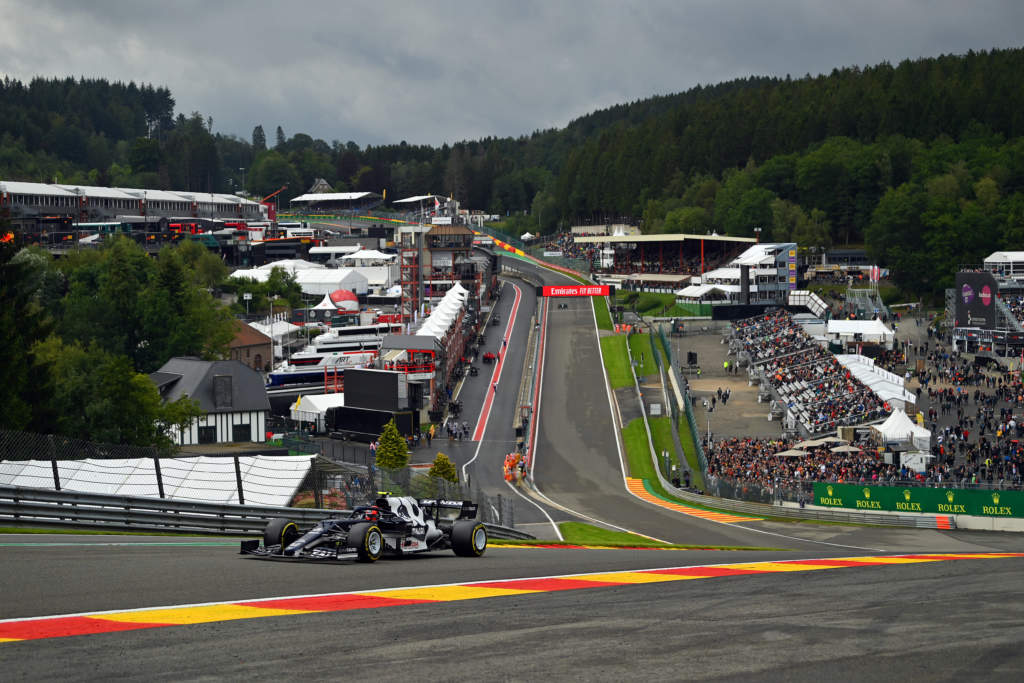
(871, 331)
(899, 427)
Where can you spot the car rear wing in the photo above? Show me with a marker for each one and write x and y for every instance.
(449, 509)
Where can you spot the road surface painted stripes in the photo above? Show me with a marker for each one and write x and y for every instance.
(14, 630)
(641, 489)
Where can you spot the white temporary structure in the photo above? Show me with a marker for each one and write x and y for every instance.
(266, 480)
(900, 428)
(313, 408)
(368, 255)
(871, 331)
(445, 312)
(888, 386)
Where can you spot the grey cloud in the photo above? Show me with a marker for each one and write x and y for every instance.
(441, 72)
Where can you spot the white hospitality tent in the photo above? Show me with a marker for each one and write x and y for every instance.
(313, 408)
(871, 331)
(368, 255)
(262, 273)
(710, 292)
(899, 427)
(445, 312)
(325, 304)
(317, 281)
(888, 386)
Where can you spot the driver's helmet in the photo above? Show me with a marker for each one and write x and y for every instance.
(372, 514)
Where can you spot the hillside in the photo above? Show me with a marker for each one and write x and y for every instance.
(920, 161)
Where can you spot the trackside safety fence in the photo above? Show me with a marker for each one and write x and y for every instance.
(851, 517)
(30, 507)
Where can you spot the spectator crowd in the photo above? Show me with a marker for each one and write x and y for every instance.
(806, 378)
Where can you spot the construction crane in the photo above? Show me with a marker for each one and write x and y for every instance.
(274, 194)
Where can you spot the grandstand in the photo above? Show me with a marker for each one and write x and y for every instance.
(335, 202)
(677, 254)
(818, 392)
(762, 274)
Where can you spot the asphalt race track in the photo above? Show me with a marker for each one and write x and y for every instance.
(940, 620)
(776, 617)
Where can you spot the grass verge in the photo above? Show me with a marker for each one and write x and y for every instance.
(616, 361)
(646, 303)
(638, 453)
(578, 533)
(690, 449)
(640, 351)
(661, 435)
(601, 313)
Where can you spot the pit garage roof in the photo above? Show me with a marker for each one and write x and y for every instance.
(99, 192)
(156, 195)
(16, 187)
(334, 196)
(679, 237)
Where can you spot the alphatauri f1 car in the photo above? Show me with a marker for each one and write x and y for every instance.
(396, 525)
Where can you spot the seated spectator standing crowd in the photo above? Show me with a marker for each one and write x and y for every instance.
(806, 378)
(998, 463)
(755, 461)
(565, 243)
(1016, 305)
(978, 444)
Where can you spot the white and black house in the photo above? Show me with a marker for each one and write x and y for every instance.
(231, 395)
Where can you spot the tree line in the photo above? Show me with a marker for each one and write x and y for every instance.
(892, 157)
(81, 334)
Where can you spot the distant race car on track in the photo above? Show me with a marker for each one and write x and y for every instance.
(396, 525)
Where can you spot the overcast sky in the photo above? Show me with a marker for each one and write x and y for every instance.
(428, 73)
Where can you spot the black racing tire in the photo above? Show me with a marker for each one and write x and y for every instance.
(280, 532)
(368, 541)
(469, 538)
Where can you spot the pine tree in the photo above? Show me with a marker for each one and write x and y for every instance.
(443, 468)
(259, 139)
(392, 452)
(280, 138)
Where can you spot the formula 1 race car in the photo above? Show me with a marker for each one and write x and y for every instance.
(396, 525)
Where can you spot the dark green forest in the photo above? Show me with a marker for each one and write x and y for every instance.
(80, 333)
(921, 162)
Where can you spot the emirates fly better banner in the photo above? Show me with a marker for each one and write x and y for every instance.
(913, 499)
(576, 290)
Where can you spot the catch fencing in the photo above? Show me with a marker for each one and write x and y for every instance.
(29, 446)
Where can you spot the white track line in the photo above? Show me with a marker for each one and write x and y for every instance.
(558, 532)
(622, 463)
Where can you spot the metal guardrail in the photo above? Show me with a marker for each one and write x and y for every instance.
(505, 533)
(24, 506)
(30, 507)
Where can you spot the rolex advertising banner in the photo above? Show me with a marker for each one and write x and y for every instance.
(912, 499)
